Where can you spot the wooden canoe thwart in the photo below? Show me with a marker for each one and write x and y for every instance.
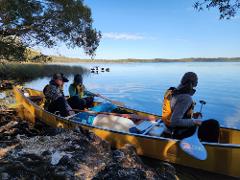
(223, 157)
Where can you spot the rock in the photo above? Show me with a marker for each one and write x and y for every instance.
(46, 153)
(126, 165)
(57, 156)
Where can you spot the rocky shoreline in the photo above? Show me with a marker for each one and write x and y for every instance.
(40, 152)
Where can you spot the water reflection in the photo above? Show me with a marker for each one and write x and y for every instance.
(233, 120)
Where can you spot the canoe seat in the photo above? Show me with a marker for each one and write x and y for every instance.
(39, 100)
(113, 122)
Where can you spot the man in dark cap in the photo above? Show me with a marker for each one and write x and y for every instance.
(55, 99)
(177, 111)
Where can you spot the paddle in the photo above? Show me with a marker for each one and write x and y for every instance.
(193, 146)
(202, 103)
(107, 99)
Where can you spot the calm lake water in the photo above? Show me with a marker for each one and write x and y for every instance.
(142, 86)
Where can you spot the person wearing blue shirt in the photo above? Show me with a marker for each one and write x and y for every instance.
(55, 99)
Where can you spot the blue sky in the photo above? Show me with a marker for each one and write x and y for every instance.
(158, 29)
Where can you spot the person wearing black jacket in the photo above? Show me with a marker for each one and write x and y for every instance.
(55, 99)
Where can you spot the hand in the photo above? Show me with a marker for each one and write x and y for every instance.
(197, 122)
(71, 112)
(197, 115)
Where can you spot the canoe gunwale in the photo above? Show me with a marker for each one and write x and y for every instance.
(155, 137)
(224, 145)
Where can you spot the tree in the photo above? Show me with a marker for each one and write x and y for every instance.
(227, 8)
(26, 23)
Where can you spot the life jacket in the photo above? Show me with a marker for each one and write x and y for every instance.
(167, 110)
(79, 90)
(166, 107)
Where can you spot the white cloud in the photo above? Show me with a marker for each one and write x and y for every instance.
(182, 40)
(123, 36)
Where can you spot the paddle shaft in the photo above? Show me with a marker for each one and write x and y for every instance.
(201, 108)
(107, 99)
(202, 103)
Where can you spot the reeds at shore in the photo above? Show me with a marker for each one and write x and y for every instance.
(27, 72)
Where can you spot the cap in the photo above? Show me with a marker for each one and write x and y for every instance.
(65, 79)
(78, 79)
(190, 77)
(60, 76)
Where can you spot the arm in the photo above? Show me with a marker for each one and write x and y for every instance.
(52, 93)
(183, 103)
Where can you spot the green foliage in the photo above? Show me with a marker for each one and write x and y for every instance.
(11, 49)
(26, 23)
(227, 8)
(28, 72)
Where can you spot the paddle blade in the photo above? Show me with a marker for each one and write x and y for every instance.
(193, 147)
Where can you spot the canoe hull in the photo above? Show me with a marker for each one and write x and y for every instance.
(222, 158)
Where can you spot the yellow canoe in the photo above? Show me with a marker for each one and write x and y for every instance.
(223, 157)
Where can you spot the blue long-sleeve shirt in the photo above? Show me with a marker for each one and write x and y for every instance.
(180, 104)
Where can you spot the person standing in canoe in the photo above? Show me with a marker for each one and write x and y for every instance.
(80, 98)
(177, 111)
(55, 99)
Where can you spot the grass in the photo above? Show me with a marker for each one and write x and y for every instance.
(27, 72)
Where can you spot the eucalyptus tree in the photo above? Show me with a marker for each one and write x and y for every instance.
(27, 23)
(227, 8)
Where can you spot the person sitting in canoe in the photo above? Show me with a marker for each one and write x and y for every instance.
(55, 99)
(177, 111)
(80, 98)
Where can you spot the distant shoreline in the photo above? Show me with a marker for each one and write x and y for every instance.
(62, 59)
